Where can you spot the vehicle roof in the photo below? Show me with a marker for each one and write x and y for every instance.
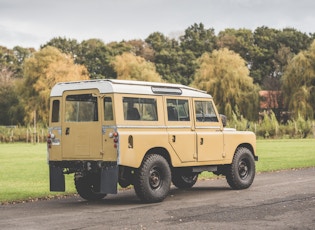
(128, 87)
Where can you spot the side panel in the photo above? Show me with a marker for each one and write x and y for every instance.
(136, 141)
(234, 138)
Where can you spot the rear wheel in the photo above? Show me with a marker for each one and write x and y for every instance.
(241, 173)
(88, 186)
(153, 179)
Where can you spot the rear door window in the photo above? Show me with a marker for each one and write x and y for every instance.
(81, 108)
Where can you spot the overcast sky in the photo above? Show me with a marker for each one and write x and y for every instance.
(31, 23)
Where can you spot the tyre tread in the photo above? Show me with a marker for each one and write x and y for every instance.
(232, 177)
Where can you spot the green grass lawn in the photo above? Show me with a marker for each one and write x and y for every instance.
(24, 169)
(285, 154)
(24, 173)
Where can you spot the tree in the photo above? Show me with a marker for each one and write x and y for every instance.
(96, 56)
(131, 67)
(274, 50)
(67, 46)
(172, 62)
(12, 60)
(140, 48)
(224, 75)
(41, 72)
(175, 60)
(157, 41)
(92, 53)
(198, 39)
(166, 56)
(175, 65)
(11, 67)
(241, 41)
(294, 39)
(263, 57)
(9, 103)
(298, 84)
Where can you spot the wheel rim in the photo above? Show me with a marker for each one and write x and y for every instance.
(155, 178)
(243, 169)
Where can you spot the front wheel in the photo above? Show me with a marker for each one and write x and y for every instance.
(88, 186)
(153, 179)
(241, 173)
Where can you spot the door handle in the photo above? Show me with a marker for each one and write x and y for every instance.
(67, 131)
(173, 138)
(201, 141)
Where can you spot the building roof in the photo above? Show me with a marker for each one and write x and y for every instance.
(270, 99)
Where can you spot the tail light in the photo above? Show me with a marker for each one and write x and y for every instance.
(114, 135)
(50, 138)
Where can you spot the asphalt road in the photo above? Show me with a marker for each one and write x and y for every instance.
(279, 200)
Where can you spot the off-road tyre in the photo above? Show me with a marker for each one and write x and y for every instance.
(241, 173)
(88, 186)
(153, 179)
(184, 181)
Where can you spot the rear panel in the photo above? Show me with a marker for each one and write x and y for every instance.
(82, 124)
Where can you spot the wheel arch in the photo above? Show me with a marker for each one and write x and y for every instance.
(249, 147)
(160, 151)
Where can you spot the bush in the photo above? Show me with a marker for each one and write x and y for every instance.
(269, 127)
(238, 122)
(303, 127)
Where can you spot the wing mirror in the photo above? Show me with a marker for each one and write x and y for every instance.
(223, 119)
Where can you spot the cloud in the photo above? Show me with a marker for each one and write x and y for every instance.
(35, 22)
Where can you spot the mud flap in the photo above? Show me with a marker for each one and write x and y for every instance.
(109, 180)
(57, 179)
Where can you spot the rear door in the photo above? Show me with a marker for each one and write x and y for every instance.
(81, 125)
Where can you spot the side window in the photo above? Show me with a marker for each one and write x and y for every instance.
(81, 108)
(177, 110)
(55, 115)
(144, 109)
(108, 109)
(205, 112)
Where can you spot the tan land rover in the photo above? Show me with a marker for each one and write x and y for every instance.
(144, 134)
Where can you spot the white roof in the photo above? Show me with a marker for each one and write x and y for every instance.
(129, 87)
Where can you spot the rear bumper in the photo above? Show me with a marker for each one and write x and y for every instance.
(72, 166)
